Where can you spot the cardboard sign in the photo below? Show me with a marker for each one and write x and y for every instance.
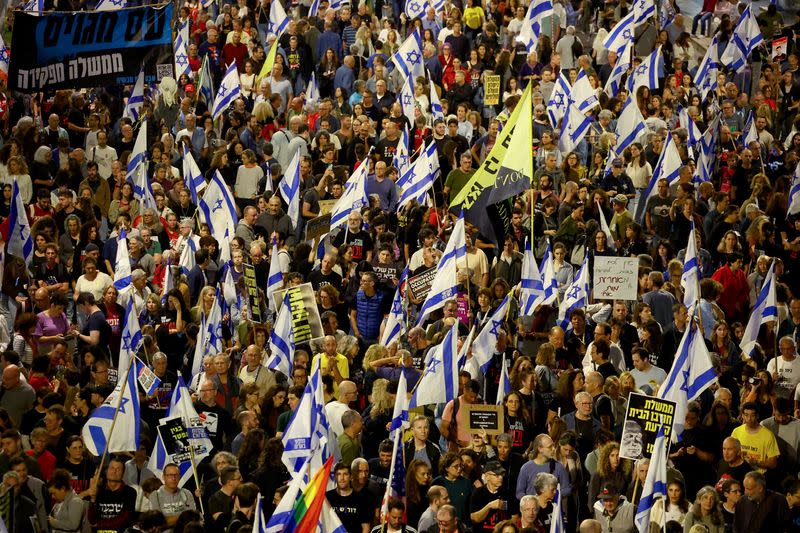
(317, 227)
(780, 47)
(420, 285)
(253, 295)
(643, 419)
(306, 322)
(615, 278)
(326, 206)
(491, 90)
(477, 417)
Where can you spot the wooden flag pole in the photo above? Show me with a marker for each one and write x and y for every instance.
(194, 472)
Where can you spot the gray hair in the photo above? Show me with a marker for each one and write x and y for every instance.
(158, 356)
(605, 113)
(349, 417)
(758, 477)
(138, 274)
(505, 437)
(528, 498)
(583, 394)
(228, 456)
(544, 480)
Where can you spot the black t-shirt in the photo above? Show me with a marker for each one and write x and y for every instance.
(318, 279)
(734, 472)
(387, 149)
(113, 510)
(97, 322)
(81, 474)
(76, 138)
(351, 509)
(360, 241)
(52, 276)
(220, 503)
(479, 499)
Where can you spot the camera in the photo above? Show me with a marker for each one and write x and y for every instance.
(754, 381)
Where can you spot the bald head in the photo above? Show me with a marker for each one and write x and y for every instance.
(347, 391)
(590, 526)
(11, 377)
(594, 381)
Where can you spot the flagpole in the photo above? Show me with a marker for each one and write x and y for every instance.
(114, 421)
(194, 473)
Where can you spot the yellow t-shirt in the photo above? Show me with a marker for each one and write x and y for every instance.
(473, 17)
(341, 364)
(761, 445)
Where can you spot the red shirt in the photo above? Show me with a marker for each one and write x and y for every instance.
(47, 463)
(735, 290)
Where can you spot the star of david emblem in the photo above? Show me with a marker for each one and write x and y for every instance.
(642, 4)
(407, 100)
(685, 386)
(122, 404)
(217, 205)
(397, 308)
(4, 54)
(495, 327)
(222, 91)
(118, 2)
(413, 57)
(558, 100)
(415, 7)
(181, 59)
(22, 230)
(126, 341)
(641, 69)
(626, 34)
(574, 293)
(403, 159)
(432, 365)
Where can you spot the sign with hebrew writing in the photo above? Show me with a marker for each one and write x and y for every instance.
(644, 417)
(306, 321)
(615, 278)
(73, 50)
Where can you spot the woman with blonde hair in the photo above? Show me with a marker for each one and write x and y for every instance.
(373, 353)
(377, 417)
(609, 470)
(204, 304)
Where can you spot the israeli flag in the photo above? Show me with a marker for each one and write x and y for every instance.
(668, 167)
(281, 341)
(557, 518)
(312, 91)
(131, 337)
(751, 133)
(439, 382)
(643, 10)
(400, 161)
(604, 226)
(559, 100)
(20, 243)
(137, 170)
(794, 193)
(577, 295)
(229, 89)
(621, 34)
(485, 344)
(646, 74)
(400, 412)
(122, 268)
(746, 36)
(415, 8)
(180, 405)
(194, 179)
(136, 100)
(34, 7)
(765, 311)
(420, 177)
(691, 374)
(284, 512)
(259, 521)
(445, 284)
(505, 383)
(122, 404)
(621, 67)
(209, 337)
(229, 292)
(690, 279)
(630, 125)
(395, 325)
(549, 282)
(180, 47)
(531, 288)
(687, 122)
(583, 94)
(706, 76)
(169, 280)
(289, 187)
(407, 101)
(111, 5)
(218, 209)
(275, 276)
(354, 196)
(574, 129)
(655, 484)
(277, 19)
(436, 105)
(408, 57)
(538, 10)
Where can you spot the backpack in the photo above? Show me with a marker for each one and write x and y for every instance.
(577, 47)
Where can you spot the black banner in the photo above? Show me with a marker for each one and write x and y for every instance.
(643, 419)
(90, 48)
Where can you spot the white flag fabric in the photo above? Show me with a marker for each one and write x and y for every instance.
(229, 90)
(20, 243)
(312, 90)
(765, 311)
(408, 57)
(415, 8)
(136, 99)
(794, 193)
(445, 284)
(407, 101)
(277, 19)
(574, 128)
(439, 382)
(131, 337)
(354, 196)
(395, 325)
(281, 340)
(691, 374)
(137, 170)
(436, 104)
(400, 412)
(621, 34)
(577, 295)
(401, 159)
(559, 100)
(420, 177)
(668, 167)
(538, 10)
(746, 36)
(604, 226)
(531, 288)
(504, 386)
(706, 76)
(646, 74)
(750, 131)
(282, 516)
(275, 276)
(485, 344)
(193, 178)
(217, 208)
(289, 188)
(549, 282)
(621, 67)
(180, 47)
(630, 125)
(583, 94)
(209, 337)
(690, 279)
(655, 484)
(122, 266)
(124, 403)
(643, 10)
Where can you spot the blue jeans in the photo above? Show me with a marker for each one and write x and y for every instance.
(704, 21)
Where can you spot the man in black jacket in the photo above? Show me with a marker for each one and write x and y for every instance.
(420, 447)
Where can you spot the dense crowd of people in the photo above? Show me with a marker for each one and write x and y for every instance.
(735, 469)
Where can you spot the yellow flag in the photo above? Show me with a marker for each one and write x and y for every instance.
(508, 169)
(269, 62)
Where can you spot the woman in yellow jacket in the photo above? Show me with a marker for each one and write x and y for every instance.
(473, 18)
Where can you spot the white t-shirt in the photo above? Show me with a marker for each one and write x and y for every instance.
(788, 373)
(644, 378)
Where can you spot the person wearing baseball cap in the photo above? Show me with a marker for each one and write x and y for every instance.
(621, 220)
(489, 504)
(617, 181)
(614, 512)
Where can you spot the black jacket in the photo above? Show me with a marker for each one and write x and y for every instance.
(432, 450)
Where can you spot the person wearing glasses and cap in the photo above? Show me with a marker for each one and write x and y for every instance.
(614, 512)
(489, 503)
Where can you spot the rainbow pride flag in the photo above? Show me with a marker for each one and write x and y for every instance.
(305, 515)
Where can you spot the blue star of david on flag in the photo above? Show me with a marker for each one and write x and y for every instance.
(432, 365)
(413, 57)
(495, 330)
(217, 205)
(181, 59)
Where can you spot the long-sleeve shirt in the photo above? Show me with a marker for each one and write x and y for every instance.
(528, 473)
(68, 515)
(386, 191)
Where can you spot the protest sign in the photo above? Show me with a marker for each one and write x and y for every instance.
(779, 48)
(306, 322)
(491, 90)
(477, 417)
(317, 227)
(253, 294)
(420, 285)
(644, 417)
(326, 206)
(72, 50)
(615, 278)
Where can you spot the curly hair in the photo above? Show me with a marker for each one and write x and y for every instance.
(604, 460)
(716, 515)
